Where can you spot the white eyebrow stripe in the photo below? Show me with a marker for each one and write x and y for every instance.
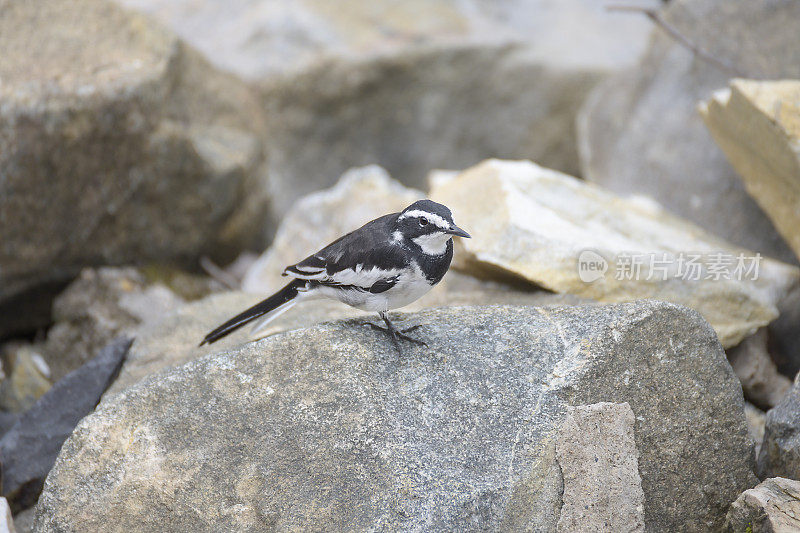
(436, 219)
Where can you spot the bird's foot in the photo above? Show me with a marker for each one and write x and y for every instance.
(397, 335)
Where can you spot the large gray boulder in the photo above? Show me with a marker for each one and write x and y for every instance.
(173, 341)
(118, 144)
(422, 108)
(328, 428)
(641, 133)
(410, 85)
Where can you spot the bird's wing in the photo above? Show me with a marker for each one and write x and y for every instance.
(362, 258)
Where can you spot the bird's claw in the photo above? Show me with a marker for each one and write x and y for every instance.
(396, 335)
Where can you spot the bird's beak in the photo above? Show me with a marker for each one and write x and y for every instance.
(458, 232)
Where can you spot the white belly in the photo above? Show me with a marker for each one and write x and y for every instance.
(409, 288)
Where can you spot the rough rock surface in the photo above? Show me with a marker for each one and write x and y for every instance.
(757, 125)
(320, 218)
(129, 149)
(771, 507)
(358, 83)
(28, 377)
(447, 108)
(597, 454)
(761, 382)
(100, 305)
(640, 132)
(540, 225)
(29, 449)
(784, 335)
(780, 451)
(306, 31)
(23, 521)
(327, 427)
(174, 340)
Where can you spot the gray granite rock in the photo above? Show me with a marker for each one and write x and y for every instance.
(641, 133)
(118, 144)
(173, 341)
(784, 335)
(328, 428)
(780, 451)
(771, 507)
(420, 109)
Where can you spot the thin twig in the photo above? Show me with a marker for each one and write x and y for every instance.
(219, 274)
(673, 32)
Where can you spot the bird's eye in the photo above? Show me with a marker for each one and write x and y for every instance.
(423, 221)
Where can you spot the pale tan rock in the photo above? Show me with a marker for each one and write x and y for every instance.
(28, 378)
(6, 520)
(596, 451)
(534, 223)
(757, 125)
(761, 382)
(771, 507)
(174, 340)
(756, 423)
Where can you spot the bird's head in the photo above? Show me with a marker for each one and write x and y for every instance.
(428, 225)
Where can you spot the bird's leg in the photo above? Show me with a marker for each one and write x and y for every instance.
(396, 334)
(401, 334)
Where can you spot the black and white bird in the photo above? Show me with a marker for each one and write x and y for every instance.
(385, 264)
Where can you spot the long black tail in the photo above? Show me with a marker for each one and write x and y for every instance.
(286, 294)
